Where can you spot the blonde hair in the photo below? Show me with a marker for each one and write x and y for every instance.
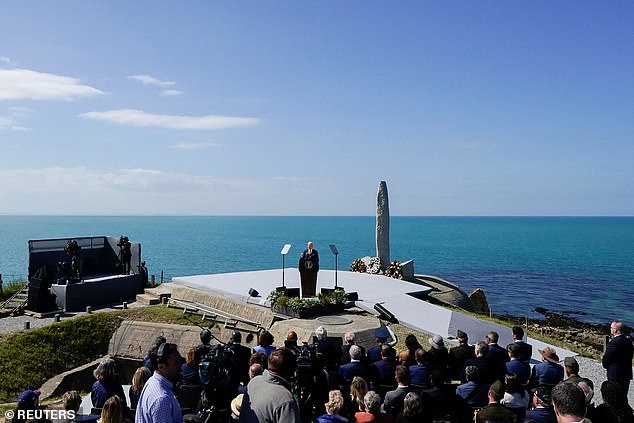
(335, 402)
(141, 375)
(358, 389)
(112, 411)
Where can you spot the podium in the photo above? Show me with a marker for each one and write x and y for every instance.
(309, 283)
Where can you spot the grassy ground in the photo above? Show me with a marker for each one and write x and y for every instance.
(9, 288)
(29, 358)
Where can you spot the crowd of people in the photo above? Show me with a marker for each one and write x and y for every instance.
(324, 382)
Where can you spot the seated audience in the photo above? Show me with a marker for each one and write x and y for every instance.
(141, 375)
(354, 368)
(358, 389)
(494, 411)
(348, 339)
(383, 369)
(516, 398)
(459, 355)
(474, 392)
(517, 366)
(542, 411)
(569, 403)
(485, 372)
(437, 357)
(374, 353)
(548, 372)
(615, 407)
(393, 401)
(412, 409)
(525, 351)
(112, 411)
(420, 374)
(106, 384)
(407, 357)
(372, 402)
(147, 362)
(333, 408)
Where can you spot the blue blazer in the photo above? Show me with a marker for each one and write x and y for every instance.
(347, 372)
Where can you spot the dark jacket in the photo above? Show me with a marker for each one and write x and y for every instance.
(309, 262)
(101, 391)
(495, 412)
(457, 357)
(618, 359)
(347, 372)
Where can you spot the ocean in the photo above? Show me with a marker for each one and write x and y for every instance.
(582, 266)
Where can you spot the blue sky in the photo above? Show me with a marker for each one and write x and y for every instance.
(301, 108)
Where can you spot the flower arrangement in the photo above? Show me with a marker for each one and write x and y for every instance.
(358, 266)
(374, 267)
(395, 270)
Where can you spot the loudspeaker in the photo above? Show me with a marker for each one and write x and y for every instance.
(352, 296)
(292, 292)
(385, 314)
(253, 292)
(327, 291)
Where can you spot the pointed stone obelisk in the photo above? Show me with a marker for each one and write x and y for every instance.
(383, 225)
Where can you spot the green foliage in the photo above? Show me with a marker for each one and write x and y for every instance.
(28, 359)
(277, 298)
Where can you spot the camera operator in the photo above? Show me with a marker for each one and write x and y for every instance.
(269, 397)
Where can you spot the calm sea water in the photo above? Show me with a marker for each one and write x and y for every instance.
(567, 264)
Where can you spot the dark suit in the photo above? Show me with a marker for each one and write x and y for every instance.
(241, 356)
(374, 353)
(457, 357)
(525, 351)
(485, 371)
(420, 375)
(345, 353)
(308, 268)
(521, 368)
(498, 357)
(618, 360)
(393, 402)
(347, 372)
(384, 372)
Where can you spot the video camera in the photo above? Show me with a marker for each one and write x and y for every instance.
(307, 364)
(215, 370)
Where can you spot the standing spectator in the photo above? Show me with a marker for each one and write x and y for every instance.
(265, 343)
(333, 408)
(269, 397)
(140, 377)
(189, 369)
(618, 357)
(147, 362)
(157, 403)
(329, 353)
(383, 369)
(241, 355)
(569, 403)
(106, 384)
(485, 370)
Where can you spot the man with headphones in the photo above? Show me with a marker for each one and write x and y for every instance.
(157, 403)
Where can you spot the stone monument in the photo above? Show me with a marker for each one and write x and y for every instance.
(383, 225)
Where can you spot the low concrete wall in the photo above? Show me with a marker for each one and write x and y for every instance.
(79, 379)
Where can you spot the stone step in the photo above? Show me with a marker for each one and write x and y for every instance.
(148, 299)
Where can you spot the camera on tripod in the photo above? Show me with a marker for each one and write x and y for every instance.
(215, 371)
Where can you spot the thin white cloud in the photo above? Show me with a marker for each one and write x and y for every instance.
(194, 145)
(172, 93)
(150, 80)
(292, 178)
(140, 118)
(25, 84)
(10, 122)
(7, 60)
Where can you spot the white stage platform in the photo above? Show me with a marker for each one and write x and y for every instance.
(393, 294)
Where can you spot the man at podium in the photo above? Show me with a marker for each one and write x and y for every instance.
(308, 268)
